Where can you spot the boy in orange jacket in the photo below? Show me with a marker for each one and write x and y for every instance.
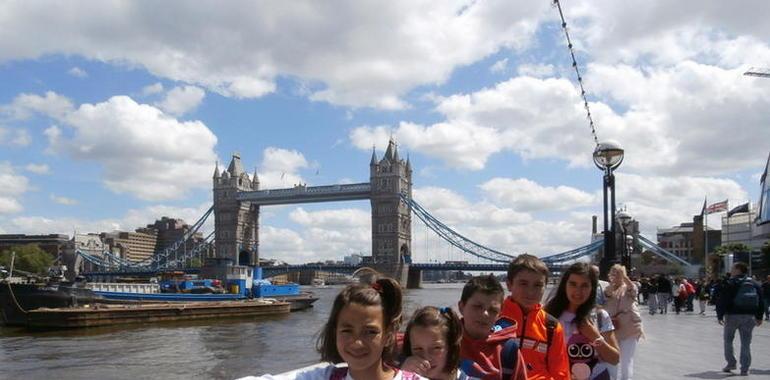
(541, 336)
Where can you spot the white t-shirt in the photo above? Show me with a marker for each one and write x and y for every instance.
(584, 360)
(321, 371)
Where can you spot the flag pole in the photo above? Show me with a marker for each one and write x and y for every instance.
(706, 236)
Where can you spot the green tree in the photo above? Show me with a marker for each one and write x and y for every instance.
(731, 248)
(29, 258)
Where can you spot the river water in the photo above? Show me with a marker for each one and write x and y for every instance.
(222, 349)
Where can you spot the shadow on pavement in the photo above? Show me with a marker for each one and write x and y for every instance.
(711, 375)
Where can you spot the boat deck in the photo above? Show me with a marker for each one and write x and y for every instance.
(105, 315)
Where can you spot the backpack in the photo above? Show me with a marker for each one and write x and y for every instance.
(746, 296)
(690, 289)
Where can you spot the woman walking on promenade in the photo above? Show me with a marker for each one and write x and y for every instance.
(622, 307)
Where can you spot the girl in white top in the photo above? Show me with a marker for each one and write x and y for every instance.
(588, 330)
(359, 339)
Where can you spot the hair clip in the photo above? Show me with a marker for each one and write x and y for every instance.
(376, 286)
(444, 310)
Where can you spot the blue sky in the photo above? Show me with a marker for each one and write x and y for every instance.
(113, 115)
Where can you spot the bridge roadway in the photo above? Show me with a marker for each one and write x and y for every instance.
(271, 271)
(307, 194)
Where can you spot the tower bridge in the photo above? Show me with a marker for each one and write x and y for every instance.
(238, 200)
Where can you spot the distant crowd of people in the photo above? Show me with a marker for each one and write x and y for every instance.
(662, 292)
(586, 329)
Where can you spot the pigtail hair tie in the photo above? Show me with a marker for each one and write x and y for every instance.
(376, 286)
(444, 310)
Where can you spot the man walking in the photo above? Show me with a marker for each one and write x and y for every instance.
(766, 294)
(740, 307)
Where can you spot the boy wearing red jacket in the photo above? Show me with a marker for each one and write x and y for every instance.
(484, 353)
(541, 336)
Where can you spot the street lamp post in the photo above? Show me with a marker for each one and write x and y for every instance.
(607, 157)
(624, 221)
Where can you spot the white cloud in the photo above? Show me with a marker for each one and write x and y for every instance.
(500, 66)
(536, 70)
(154, 88)
(52, 104)
(532, 117)
(658, 201)
(77, 72)
(689, 119)
(133, 219)
(181, 100)
(19, 137)
(40, 169)
(13, 187)
(668, 33)
(238, 51)
(279, 168)
(525, 195)
(63, 200)
(143, 151)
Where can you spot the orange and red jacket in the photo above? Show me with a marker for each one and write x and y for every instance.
(481, 358)
(543, 362)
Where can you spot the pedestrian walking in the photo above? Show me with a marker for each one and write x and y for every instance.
(680, 295)
(652, 299)
(702, 293)
(622, 307)
(740, 307)
(766, 294)
(664, 293)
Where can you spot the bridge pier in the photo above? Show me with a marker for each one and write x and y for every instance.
(414, 278)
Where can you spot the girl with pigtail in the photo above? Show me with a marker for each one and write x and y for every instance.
(432, 344)
(361, 333)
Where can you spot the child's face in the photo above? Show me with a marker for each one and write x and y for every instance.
(361, 336)
(429, 344)
(578, 289)
(480, 312)
(527, 288)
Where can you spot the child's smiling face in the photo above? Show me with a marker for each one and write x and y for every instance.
(361, 336)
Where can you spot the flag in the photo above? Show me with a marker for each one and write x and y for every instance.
(742, 208)
(717, 207)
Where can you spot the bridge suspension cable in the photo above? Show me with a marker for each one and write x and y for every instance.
(453, 237)
(160, 260)
(657, 250)
(475, 249)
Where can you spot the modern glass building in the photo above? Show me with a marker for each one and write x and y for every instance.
(762, 220)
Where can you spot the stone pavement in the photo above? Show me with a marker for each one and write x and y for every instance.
(689, 346)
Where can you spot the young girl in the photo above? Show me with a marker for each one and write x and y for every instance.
(361, 332)
(588, 330)
(432, 344)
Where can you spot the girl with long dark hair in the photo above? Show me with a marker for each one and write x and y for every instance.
(588, 330)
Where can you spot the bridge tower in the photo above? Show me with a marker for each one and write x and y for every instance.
(236, 223)
(391, 217)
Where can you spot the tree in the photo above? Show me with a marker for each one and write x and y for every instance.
(723, 250)
(29, 258)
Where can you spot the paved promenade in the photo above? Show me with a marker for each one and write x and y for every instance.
(689, 346)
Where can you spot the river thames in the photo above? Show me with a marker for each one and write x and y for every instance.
(223, 349)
